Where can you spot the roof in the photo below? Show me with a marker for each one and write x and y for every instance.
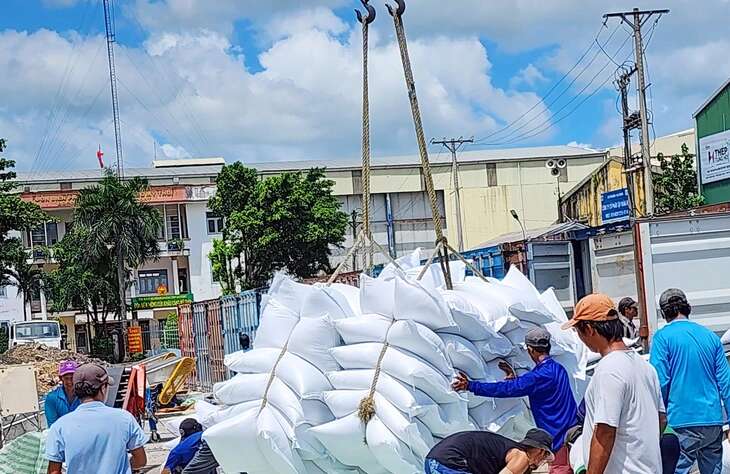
(532, 234)
(471, 156)
(96, 174)
(711, 98)
(193, 168)
(590, 176)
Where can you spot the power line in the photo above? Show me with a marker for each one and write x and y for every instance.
(555, 86)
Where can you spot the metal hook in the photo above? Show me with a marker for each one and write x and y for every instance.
(399, 10)
(370, 17)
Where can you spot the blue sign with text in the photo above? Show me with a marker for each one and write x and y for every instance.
(615, 206)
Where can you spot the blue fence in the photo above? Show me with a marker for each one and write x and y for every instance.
(240, 316)
(489, 260)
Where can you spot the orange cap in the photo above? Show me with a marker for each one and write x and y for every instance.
(595, 307)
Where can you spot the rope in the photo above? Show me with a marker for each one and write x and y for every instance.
(264, 400)
(421, 139)
(341, 266)
(366, 408)
(366, 148)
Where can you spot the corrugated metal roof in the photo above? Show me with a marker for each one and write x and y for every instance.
(532, 234)
(471, 156)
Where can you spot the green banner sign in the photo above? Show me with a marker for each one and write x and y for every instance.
(160, 301)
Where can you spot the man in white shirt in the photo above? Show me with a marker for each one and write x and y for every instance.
(624, 410)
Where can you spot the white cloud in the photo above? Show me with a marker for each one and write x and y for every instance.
(529, 76)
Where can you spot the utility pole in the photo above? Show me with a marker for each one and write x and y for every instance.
(109, 24)
(453, 146)
(629, 122)
(636, 19)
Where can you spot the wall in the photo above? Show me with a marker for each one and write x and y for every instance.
(201, 278)
(715, 118)
(11, 305)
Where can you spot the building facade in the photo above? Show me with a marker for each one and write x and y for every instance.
(492, 183)
(713, 144)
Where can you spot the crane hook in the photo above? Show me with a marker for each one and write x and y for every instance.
(399, 10)
(369, 17)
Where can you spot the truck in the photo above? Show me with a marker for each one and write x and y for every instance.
(27, 332)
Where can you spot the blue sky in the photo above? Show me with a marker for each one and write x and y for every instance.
(262, 81)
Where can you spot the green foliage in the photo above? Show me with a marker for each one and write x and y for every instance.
(289, 221)
(102, 347)
(675, 188)
(15, 215)
(114, 222)
(83, 280)
(221, 256)
(170, 332)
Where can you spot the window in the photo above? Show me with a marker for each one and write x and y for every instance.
(491, 174)
(215, 223)
(357, 182)
(174, 222)
(36, 330)
(3, 291)
(148, 281)
(46, 234)
(66, 186)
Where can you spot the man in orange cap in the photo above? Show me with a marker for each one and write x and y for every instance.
(624, 410)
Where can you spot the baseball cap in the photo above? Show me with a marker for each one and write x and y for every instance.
(538, 338)
(625, 304)
(540, 439)
(94, 375)
(595, 307)
(672, 294)
(67, 367)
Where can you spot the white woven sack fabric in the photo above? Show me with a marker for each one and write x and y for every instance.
(344, 439)
(389, 451)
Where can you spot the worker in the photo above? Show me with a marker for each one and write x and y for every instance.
(484, 452)
(62, 400)
(190, 438)
(95, 437)
(624, 411)
(628, 311)
(694, 379)
(548, 388)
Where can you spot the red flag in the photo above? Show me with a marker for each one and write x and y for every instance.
(99, 155)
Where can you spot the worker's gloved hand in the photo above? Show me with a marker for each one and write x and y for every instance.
(461, 382)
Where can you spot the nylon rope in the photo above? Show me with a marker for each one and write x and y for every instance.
(366, 408)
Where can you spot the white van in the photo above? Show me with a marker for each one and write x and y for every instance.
(41, 332)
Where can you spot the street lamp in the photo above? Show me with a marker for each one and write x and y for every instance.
(517, 218)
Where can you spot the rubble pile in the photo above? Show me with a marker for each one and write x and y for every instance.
(45, 360)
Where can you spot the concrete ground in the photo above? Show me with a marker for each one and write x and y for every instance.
(157, 452)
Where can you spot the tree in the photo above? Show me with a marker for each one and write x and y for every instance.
(16, 215)
(290, 221)
(83, 280)
(675, 187)
(221, 259)
(116, 221)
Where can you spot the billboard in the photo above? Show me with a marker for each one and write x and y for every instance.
(714, 156)
(615, 206)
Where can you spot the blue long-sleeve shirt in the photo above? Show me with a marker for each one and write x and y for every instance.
(547, 386)
(693, 374)
(57, 405)
(184, 452)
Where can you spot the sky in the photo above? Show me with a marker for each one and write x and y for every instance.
(261, 81)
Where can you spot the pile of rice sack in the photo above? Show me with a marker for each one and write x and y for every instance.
(348, 380)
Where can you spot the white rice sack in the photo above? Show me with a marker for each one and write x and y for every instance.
(408, 335)
(550, 301)
(234, 443)
(344, 438)
(517, 427)
(336, 301)
(491, 349)
(277, 322)
(409, 369)
(405, 263)
(577, 461)
(328, 465)
(275, 445)
(464, 356)
(389, 451)
(297, 373)
(470, 323)
(312, 338)
(517, 335)
(433, 278)
(495, 413)
(377, 295)
(288, 293)
(241, 388)
(415, 303)
(224, 412)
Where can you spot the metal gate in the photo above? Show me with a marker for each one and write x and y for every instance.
(187, 339)
(202, 356)
(215, 342)
(550, 264)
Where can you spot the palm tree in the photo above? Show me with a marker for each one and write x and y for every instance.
(118, 223)
(28, 279)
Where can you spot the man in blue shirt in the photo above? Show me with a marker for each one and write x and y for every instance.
(694, 378)
(179, 457)
(62, 400)
(95, 438)
(547, 386)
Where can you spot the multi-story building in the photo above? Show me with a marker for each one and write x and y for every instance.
(492, 183)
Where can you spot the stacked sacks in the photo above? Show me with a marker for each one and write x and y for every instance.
(267, 408)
